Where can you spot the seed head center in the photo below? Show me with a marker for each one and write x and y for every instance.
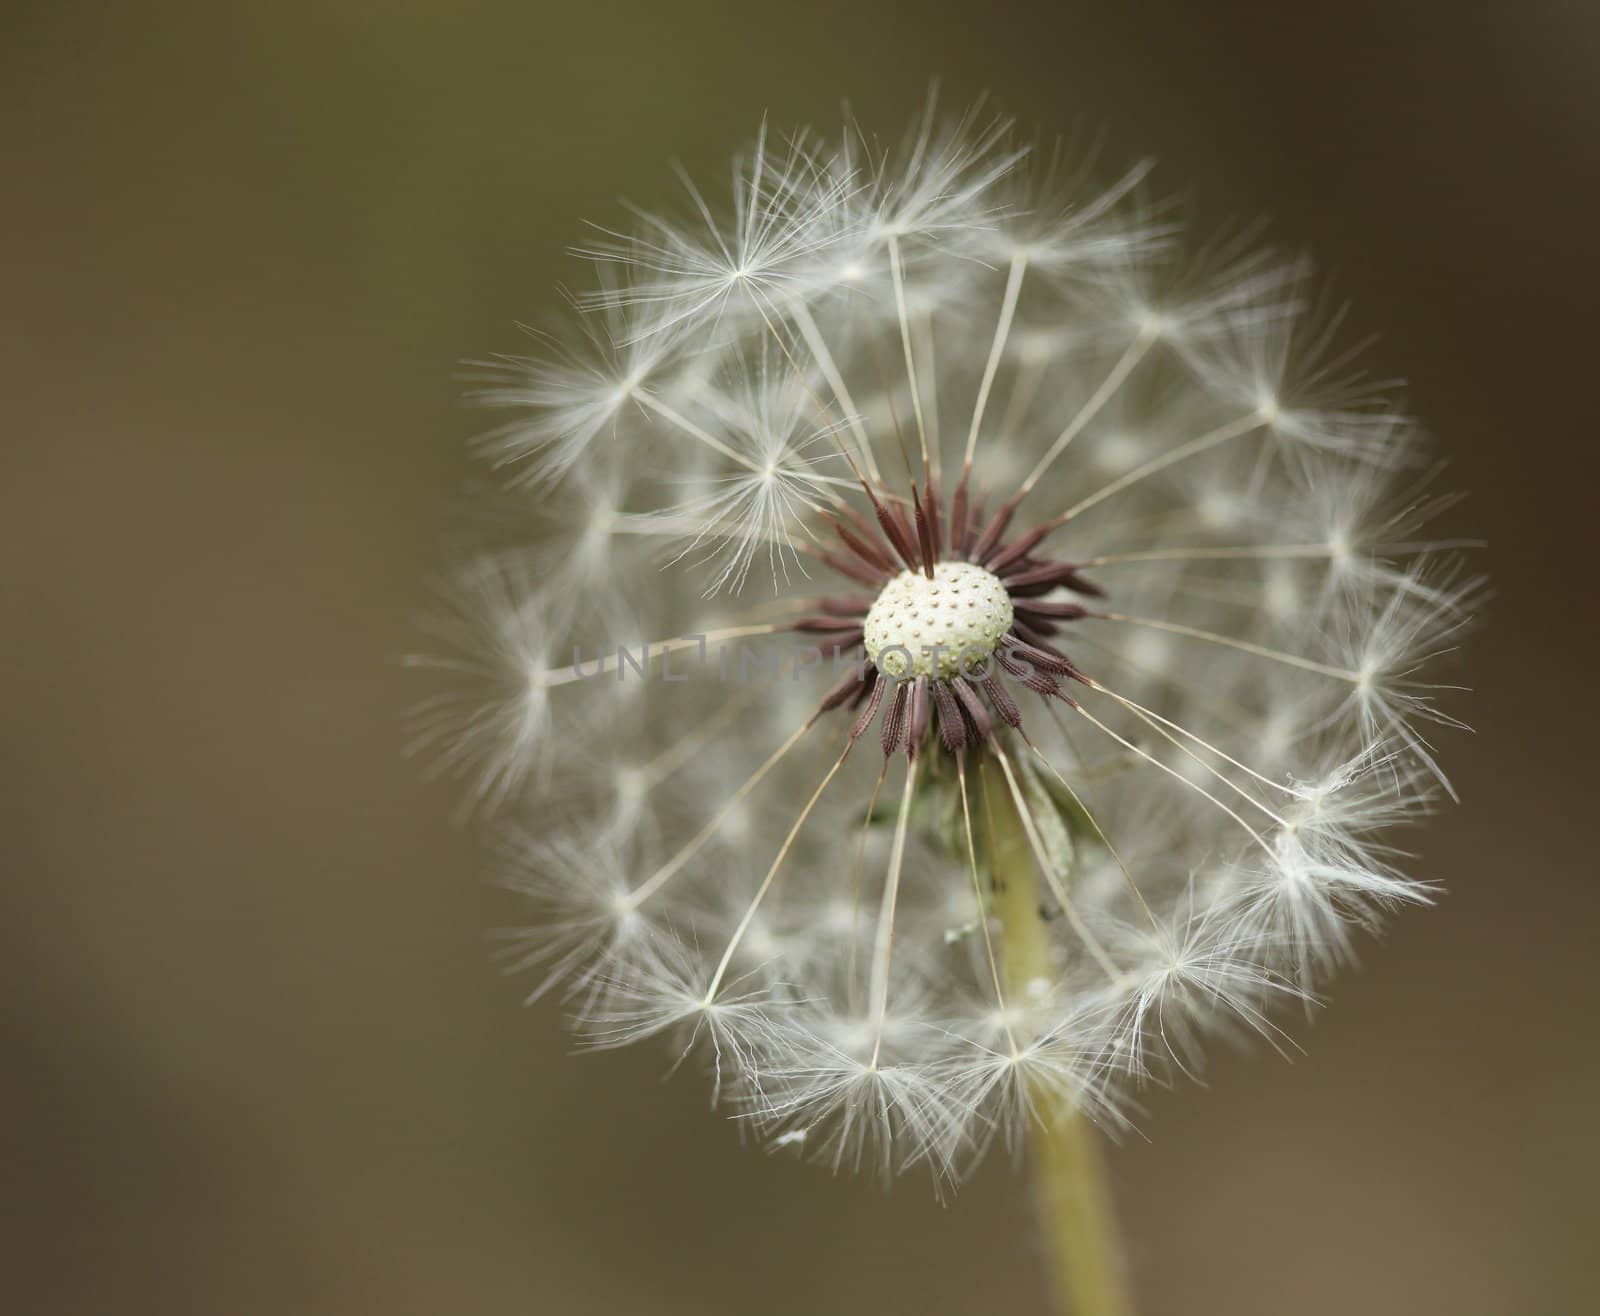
(920, 626)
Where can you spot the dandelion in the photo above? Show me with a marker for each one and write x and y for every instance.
(1028, 634)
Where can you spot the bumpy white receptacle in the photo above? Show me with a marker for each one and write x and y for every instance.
(933, 627)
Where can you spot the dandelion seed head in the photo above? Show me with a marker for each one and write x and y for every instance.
(887, 492)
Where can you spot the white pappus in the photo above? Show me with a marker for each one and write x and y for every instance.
(902, 490)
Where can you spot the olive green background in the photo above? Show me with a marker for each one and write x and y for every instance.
(255, 1058)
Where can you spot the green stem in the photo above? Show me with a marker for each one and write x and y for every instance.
(1074, 1198)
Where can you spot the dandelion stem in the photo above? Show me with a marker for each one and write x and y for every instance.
(1074, 1198)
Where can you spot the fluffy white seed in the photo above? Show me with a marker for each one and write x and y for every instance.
(1210, 812)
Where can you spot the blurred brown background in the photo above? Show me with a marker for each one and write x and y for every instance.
(255, 1059)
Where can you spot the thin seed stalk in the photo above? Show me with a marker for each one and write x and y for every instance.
(1067, 1158)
